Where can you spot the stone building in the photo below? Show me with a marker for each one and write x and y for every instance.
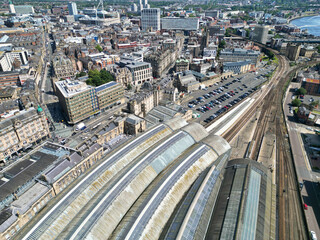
(63, 67)
(182, 65)
(21, 131)
(8, 93)
(121, 75)
(161, 61)
(307, 51)
(187, 82)
(133, 125)
(144, 101)
(293, 51)
(37, 178)
(141, 72)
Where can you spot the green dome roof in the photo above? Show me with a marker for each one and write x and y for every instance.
(39, 109)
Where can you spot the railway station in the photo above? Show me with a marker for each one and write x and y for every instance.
(144, 179)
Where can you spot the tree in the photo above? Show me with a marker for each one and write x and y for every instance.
(247, 32)
(99, 48)
(277, 36)
(222, 44)
(296, 102)
(129, 87)
(318, 49)
(97, 78)
(313, 104)
(301, 91)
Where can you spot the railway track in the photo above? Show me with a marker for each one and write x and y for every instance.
(290, 216)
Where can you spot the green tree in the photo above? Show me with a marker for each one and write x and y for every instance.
(222, 44)
(93, 73)
(99, 48)
(318, 49)
(97, 78)
(277, 36)
(296, 102)
(247, 32)
(129, 87)
(301, 91)
(314, 104)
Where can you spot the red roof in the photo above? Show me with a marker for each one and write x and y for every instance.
(317, 81)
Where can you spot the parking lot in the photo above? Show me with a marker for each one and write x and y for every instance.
(214, 100)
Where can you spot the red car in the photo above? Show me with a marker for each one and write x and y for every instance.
(305, 206)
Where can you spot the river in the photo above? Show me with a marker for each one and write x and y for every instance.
(312, 24)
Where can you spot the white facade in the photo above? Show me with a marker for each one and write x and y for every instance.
(150, 19)
(72, 7)
(21, 55)
(5, 63)
(175, 23)
(11, 7)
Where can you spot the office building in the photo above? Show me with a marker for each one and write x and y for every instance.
(293, 51)
(22, 130)
(23, 9)
(260, 34)
(11, 7)
(134, 7)
(20, 54)
(141, 72)
(72, 7)
(150, 19)
(175, 23)
(212, 13)
(79, 101)
(239, 54)
(5, 63)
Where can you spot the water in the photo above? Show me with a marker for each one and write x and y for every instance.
(310, 23)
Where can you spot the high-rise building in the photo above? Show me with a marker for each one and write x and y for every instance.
(150, 19)
(134, 8)
(72, 7)
(260, 34)
(145, 3)
(140, 6)
(11, 7)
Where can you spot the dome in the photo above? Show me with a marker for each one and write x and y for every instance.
(39, 109)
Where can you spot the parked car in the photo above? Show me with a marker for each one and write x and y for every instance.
(313, 235)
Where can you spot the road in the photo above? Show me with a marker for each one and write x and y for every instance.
(310, 191)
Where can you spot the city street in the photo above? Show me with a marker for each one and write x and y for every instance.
(310, 190)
